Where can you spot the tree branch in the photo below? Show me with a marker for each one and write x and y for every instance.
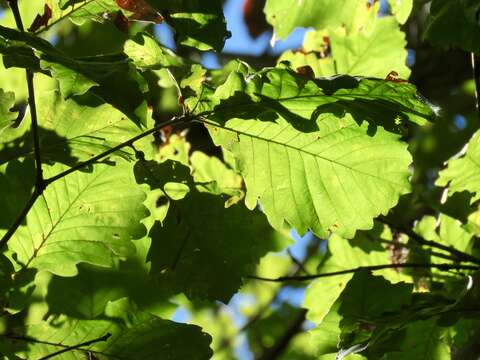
(443, 267)
(70, 348)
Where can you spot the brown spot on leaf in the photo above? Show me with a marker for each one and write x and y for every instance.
(41, 20)
(393, 76)
(306, 71)
(141, 10)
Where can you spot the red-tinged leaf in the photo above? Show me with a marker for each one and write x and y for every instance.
(254, 17)
(393, 76)
(306, 71)
(41, 20)
(141, 11)
(121, 22)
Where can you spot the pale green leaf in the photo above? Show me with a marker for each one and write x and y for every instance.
(147, 53)
(375, 52)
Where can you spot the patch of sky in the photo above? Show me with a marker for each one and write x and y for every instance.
(459, 121)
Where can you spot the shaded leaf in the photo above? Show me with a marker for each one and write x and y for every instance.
(461, 15)
(204, 249)
(144, 336)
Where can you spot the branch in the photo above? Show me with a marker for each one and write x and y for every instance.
(70, 348)
(443, 267)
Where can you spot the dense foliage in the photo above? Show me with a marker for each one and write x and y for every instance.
(136, 184)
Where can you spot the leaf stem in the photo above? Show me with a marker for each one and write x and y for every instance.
(443, 267)
(70, 348)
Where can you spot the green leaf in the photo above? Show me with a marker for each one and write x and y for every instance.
(86, 295)
(7, 101)
(424, 340)
(147, 53)
(365, 300)
(286, 15)
(371, 52)
(307, 152)
(83, 217)
(460, 15)
(204, 249)
(363, 250)
(144, 337)
(79, 11)
(70, 130)
(463, 174)
(197, 23)
(109, 76)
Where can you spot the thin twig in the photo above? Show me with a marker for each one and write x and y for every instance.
(70, 348)
(443, 267)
